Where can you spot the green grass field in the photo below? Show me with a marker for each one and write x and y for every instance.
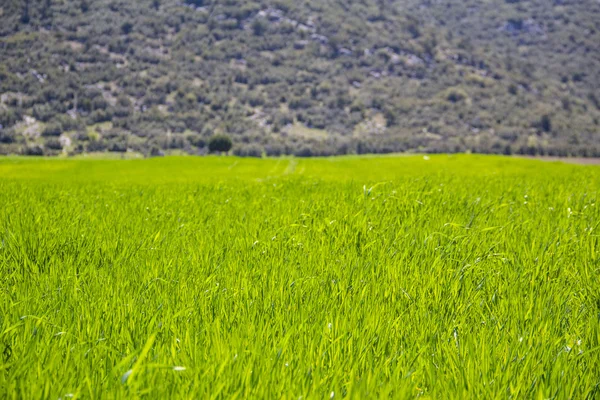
(384, 277)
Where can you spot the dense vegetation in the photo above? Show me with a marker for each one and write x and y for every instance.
(450, 277)
(304, 77)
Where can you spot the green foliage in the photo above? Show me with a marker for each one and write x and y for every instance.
(259, 27)
(126, 28)
(8, 117)
(6, 136)
(455, 95)
(546, 123)
(32, 150)
(196, 3)
(53, 144)
(373, 75)
(53, 129)
(353, 277)
(220, 143)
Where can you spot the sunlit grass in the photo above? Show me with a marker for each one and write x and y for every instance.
(453, 277)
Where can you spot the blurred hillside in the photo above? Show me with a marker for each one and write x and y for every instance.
(303, 77)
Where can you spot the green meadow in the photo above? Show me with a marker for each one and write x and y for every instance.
(447, 277)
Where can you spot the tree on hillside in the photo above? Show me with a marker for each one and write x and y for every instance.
(259, 27)
(220, 143)
(196, 3)
(126, 28)
(25, 17)
(546, 123)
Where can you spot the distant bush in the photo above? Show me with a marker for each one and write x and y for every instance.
(126, 28)
(43, 112)
(176, 142)
(117, 147)
(304, 151)
(259, 27)
(251, 150)
(456, 95)
(274, 150)
(53, 144)
(68, 123)
(546, 123)
(7, 137)
(220, 143)
(32, 151)
(95, 146)
(196, 140)
(195, 3)
(52, 129)
(156, 152)
(99, 116)
(8, 117)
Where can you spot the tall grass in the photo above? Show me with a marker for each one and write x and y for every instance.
(456, 277)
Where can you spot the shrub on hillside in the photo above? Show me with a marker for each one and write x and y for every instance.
(53, 144)
(52, 129)
(546, 123)
(220, 143)
(250, 150)
(7, 137)
(455, 95)
(32, 151)
(8, 117)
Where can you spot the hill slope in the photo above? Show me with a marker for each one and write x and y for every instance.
(302, 77)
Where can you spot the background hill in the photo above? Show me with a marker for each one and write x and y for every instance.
(302, 77)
